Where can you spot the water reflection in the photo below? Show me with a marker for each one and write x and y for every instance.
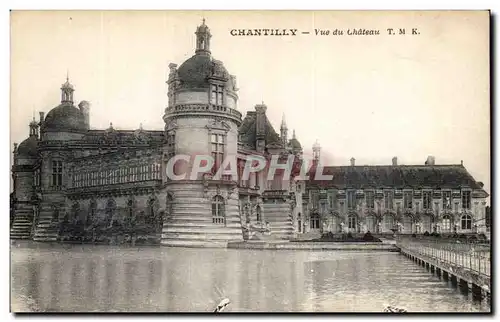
(104, 278)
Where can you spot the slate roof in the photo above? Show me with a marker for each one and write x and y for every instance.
(65, 117)
(397, 177)
(248, 128)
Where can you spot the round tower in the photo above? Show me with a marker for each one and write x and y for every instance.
(201, 121)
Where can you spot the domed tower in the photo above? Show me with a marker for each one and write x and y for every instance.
(201, 120)
(23, 176)
(65, 122)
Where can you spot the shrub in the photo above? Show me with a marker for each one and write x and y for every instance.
(349, 235)
(368, 236)
(481, 236)
(413, 235)
(426, 233)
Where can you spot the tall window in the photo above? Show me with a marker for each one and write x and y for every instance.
(218, 213)
(314, 223)
(427, 196)
(351, 199)
(218, 145)
(466, 222)
(408, 199)
(370, 199)
(446, 223)
(56, 174)
(447, 200)
(389, 199)
(351, 222)
(466, 199)
(217, 95)
(315, 199)
(171, 142)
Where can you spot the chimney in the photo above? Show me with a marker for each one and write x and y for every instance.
(42, 117)
(85, 108)
(430, 160)
(353, 162)
(395, 161)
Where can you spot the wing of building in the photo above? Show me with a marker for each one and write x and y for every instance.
(72, 182)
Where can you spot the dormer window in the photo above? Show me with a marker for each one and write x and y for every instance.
(217, 92)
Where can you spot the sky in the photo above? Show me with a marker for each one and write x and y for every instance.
(366, 97)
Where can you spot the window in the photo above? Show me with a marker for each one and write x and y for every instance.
(388, 222)
(218, 147)
(466, 222)
(446, 223)
(389, 199)
(217, 94)
(466, 200)
(351, 222)
(447, 200)
(56, 174)
(218, 214)
(370, 199)
(408, 199)
(314, 221)
(171, 142)
(315, 199)
(110, 211)
(130, 209)
(351, 199)
(427, 195)
(259, 215)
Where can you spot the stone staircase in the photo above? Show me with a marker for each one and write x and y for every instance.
(191, 225)
(46, 230)
(21, 227)
(278, 216)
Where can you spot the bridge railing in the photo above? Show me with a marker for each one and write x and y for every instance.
(472, 256)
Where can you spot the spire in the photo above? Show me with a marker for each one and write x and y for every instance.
(33, 127)
(203, 36)
(293, 135)
(283, 123)
(67, 91)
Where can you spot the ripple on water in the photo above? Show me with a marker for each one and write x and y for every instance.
(157, 279)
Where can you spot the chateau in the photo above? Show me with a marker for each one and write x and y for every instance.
(111, 185)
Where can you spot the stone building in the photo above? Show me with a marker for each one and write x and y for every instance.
(394, 198)
(111, 185)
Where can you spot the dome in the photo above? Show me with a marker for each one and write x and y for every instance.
(65, 117)
(295, 143)
(28, 148)
(194, 72)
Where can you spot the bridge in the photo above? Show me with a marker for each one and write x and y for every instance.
(464, 263)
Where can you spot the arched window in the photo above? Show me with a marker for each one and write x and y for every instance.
(466, 222)
(110, 211)
(388, 222)
(351, 222)
(258, 213)
(314, 223)
(152, 211)
(92, 212)
(75, 212)
(446, 225)
(218, 211)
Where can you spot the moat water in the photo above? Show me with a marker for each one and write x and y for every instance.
(86, 278)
